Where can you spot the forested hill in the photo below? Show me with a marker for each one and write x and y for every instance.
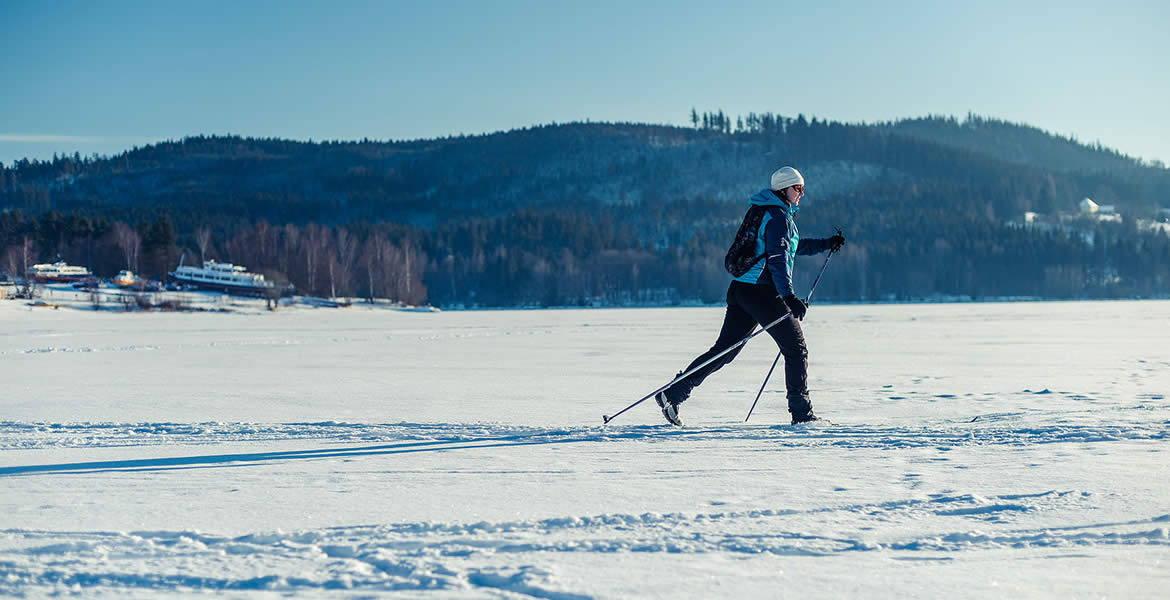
(1022, 144)
(604, 213)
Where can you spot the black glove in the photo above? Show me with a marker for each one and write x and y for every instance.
(836, 242)
(797, 306)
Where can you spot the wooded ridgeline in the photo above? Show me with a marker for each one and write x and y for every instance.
(605, 214)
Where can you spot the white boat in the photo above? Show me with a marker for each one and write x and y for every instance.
(126, 279)
(58, 272)
(224, 277)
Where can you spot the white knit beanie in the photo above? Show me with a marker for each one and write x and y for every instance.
(784, 177)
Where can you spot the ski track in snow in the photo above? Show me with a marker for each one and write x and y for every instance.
(452, 556)
(993, 429)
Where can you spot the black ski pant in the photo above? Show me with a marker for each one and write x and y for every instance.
(748, 305)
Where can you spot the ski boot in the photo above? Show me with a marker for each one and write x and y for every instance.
(669, 409)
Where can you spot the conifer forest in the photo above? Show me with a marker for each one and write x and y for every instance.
(610, 214)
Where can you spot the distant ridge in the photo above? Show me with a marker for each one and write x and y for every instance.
(612, 213)
(1015, 142)
(583, 164)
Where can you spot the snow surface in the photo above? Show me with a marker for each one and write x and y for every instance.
(978, 450)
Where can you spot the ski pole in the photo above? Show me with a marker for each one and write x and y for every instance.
(806, 300)
(762, 386)
(606, 418)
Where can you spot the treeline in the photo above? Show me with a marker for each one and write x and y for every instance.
(1022, 144)
(602, 213)
(316, 260)
(220, 180)
(571, 258)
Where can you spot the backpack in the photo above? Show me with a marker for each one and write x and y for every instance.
(741, 257)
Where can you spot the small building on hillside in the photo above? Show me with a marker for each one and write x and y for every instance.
(1087, 206)
(1103, 212)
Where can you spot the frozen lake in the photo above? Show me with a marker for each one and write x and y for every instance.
(977, 450)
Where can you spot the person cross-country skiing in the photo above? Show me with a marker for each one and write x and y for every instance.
(762, 295)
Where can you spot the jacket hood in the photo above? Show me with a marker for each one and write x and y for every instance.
(769, 198)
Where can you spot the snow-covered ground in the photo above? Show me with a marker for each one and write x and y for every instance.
(977, 450)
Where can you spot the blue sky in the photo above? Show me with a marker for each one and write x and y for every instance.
(105, 76)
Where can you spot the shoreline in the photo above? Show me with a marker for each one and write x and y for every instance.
(120, 301)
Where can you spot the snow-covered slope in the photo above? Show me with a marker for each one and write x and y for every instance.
(978, 450)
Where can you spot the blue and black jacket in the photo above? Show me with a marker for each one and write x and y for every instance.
(779, 241)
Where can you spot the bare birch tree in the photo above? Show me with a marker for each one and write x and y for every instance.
(130, 243)
(314, 240)
(265, 242)
(12, 260)
(17, 259)
(374, 255)
(346, 247)
(404, 269)
(291, 239)
(203, 240)
(21, 256)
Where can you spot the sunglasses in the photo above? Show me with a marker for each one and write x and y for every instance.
(799, 188)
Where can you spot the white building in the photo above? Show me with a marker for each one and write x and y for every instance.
(1103, 212)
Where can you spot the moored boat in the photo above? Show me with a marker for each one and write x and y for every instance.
(224, 277)
(126, 279)
(58, 272)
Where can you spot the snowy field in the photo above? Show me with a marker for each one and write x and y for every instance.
(977, 450)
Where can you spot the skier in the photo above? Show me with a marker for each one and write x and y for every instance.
(762, 295)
